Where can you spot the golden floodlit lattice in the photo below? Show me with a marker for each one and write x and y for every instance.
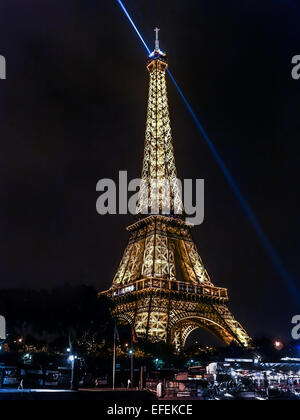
(159, 188)
(161, 287)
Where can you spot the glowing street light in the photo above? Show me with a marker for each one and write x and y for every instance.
(278, 345)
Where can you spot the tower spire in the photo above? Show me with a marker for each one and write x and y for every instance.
(156, 30)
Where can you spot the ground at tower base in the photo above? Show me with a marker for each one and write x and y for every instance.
(40, 364)
(233, 378)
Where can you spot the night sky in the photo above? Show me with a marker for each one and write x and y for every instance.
(73, 111)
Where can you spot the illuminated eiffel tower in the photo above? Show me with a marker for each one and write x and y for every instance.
(162, 288)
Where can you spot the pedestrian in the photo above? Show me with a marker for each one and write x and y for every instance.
(21, 386)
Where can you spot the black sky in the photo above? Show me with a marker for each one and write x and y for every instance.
(73, 111)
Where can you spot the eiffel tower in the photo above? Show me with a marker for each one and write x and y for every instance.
(162, 288)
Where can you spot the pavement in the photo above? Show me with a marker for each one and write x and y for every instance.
(83, 394)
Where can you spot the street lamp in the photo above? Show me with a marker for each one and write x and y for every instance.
(131, 352)
(72, 358)
(278, 345)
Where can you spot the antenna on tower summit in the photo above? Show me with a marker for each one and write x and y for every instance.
(156, 30)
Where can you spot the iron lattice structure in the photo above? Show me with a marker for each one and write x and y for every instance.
(160, 191)
(161, 287)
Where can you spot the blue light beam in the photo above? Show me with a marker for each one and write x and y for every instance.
(273, 255)
(134, 27)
